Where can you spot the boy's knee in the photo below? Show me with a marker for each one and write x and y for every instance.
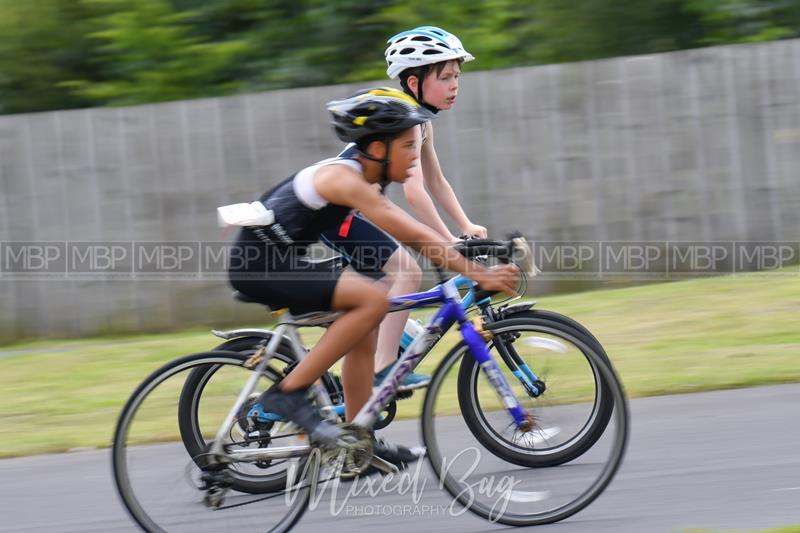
(382, 304)
(405, 270)
(375, 298)
(414, 274)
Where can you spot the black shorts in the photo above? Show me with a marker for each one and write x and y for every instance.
(283, 277)
(365, 247)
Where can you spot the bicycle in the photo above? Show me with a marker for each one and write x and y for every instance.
(543, 451)
(218, 465)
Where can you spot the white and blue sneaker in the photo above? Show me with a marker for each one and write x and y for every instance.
(258, 413)
(294, 406)
(410, 382)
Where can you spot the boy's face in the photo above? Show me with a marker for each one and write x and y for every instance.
(440, 90)
(404, 153)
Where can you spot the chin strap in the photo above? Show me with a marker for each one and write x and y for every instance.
(385, 181)
(419, 98)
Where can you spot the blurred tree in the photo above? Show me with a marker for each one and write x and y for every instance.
(148, 52)
(73, 53)
(42, 43)
(744, 21)
(322, 44)
(588, 29)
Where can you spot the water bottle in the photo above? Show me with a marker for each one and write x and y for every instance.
(410, 332)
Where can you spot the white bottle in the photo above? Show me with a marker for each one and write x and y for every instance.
(252, 214)
(412, 329)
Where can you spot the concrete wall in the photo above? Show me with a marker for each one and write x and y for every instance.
(696, 145)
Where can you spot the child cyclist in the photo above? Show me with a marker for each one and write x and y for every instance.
(428, 62)
(381, 122)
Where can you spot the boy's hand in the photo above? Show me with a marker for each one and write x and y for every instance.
(474, 230)
(503, 278)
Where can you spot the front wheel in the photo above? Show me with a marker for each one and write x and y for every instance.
(547, 474)
(572, 411)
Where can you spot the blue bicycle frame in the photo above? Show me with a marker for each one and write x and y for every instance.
(434, 296)
(453, 310)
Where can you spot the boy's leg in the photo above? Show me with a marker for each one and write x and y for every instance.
(357, 370)
(373, 253)
(405, 277)
(365, 305)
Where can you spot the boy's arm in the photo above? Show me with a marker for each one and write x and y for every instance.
(442, 191)
(343, 186)
(419, 200)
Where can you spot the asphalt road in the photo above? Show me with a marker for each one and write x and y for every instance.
(727, 460)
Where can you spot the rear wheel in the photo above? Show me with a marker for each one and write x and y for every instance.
(164, 489)
(205, 397)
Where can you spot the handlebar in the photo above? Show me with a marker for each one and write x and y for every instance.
(516, 249)
(472, 248)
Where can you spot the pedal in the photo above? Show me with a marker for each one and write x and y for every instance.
(215, 485)
(385, 467)
(405, 394)
(352, 454)
(214, 497)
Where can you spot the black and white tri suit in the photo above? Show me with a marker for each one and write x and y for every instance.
(269, 264)
(366, 247)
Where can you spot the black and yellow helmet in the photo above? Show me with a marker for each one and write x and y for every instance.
(375, 111)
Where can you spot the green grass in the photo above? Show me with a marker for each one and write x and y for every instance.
(667, 338)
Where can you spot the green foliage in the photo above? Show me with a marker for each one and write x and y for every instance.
(148, 52)
(42, 43)
(77, 53)
(745, 21)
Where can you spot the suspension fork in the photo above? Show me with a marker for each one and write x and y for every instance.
(505, 347)
(495, 376)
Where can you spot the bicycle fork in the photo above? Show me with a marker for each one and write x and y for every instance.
(491, 369)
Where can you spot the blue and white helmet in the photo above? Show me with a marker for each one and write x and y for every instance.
(422, 46)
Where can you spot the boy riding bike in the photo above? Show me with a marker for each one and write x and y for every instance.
(382, 124)
(428, 62)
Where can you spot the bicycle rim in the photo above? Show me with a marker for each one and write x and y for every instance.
(158, 481)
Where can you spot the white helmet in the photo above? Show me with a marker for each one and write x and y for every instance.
(422, 46)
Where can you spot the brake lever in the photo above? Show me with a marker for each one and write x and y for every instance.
(526, 262)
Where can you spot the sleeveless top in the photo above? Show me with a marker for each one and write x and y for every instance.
(301, 213)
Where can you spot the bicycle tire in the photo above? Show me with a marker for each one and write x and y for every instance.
(492, 440)
(120, 448)
(189, 426)
(608, 469)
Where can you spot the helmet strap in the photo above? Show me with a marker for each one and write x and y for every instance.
(418, 97)
(384, 181)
